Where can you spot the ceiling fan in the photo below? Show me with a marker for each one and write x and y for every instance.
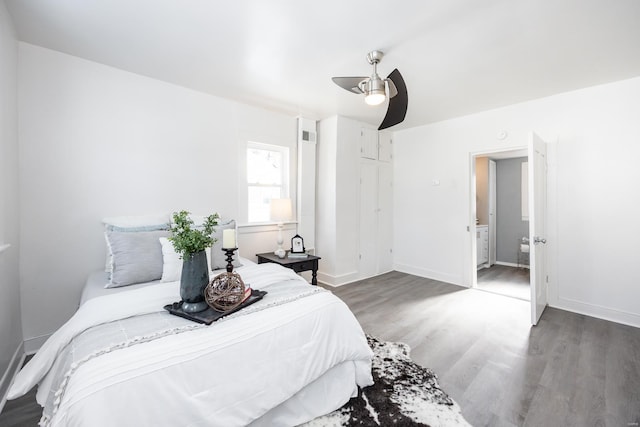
(376, 90)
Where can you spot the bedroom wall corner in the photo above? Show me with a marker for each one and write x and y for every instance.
(96, 141)
(16, 362)
(337, 206)
(11, 350)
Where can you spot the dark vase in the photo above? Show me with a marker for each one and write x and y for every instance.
(194, 279)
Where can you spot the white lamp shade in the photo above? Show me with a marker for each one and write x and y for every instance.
(281, 210)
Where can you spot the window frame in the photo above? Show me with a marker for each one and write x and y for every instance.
(284, 151)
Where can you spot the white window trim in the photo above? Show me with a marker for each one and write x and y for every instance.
(286, 161)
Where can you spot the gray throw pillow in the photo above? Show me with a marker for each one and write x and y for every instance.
(132, 229)
(218, 256)
(137, 257)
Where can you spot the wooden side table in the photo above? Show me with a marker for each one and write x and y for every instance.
(296, 264)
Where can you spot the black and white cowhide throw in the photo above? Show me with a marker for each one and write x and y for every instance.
(403, 394)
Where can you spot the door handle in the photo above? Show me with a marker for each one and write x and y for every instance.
(537, 240)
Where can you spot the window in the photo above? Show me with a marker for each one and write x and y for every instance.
(267, 178)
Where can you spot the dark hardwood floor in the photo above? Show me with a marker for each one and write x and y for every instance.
(22, 412)
(570, 370)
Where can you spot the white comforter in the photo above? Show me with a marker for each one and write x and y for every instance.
(227, 374)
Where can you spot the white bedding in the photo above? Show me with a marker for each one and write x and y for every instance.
(287, 361)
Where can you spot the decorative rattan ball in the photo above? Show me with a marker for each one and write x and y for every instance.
(225, 292)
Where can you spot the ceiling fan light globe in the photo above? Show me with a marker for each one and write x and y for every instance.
(374, 90)
(375, 98)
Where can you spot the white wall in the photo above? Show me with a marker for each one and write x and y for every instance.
(348, 199)
(594, 201)
(337, 226)
(10, 318)
(326, 197)
(97, 141)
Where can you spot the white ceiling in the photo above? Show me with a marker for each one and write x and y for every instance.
(457, 56)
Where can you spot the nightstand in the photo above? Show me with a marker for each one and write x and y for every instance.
(296, 264)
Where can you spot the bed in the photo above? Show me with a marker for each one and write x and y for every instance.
(122, 360)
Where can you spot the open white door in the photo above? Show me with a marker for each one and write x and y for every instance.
(537, 220)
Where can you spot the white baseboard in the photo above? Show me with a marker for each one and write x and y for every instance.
(345, 279)
(339, 280)
(32, 345)
(598, 311)
(511, 264)
(430, 274)
(7, 378)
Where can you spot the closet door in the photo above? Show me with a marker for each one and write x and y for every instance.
(385, 218)
(369, 143)
(368, 219)
(385, 151)
(376, 218)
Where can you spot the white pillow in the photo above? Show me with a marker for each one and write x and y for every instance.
(171, 262)
(137, 220)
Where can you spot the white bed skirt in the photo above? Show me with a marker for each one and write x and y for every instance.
(322, 396)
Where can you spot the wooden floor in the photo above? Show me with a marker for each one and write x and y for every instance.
(505, 280)
(22, 412)
(570, 370)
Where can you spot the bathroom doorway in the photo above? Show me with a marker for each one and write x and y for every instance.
(502, 223)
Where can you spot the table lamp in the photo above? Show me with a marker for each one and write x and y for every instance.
(280, 212)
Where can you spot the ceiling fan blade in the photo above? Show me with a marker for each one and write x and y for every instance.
(349, 83)
(393, 91)
(397, 109)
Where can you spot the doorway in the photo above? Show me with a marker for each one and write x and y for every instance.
(536, 206)
(502, 223)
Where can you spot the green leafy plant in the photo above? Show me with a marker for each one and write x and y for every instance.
(188, 239)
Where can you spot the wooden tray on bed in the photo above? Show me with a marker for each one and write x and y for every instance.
(210, 315)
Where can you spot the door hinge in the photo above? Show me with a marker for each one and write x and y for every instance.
(547, 278)
(360, 256)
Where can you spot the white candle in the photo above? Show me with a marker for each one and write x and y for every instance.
(228, 239)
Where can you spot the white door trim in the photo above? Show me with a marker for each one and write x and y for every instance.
(492, 213)
(471, 228)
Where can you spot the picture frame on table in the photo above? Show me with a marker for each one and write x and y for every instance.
(297, 244)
